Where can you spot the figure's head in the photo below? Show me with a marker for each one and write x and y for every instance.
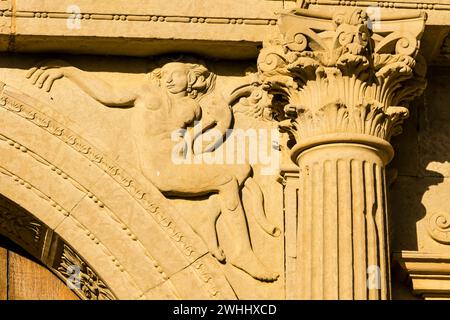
(184, 79)
(174, 76)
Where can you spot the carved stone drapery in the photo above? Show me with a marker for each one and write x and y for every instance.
(340, 85)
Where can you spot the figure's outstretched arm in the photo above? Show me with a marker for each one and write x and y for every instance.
(46, 73)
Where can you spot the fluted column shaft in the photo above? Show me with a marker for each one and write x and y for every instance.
(342, 225)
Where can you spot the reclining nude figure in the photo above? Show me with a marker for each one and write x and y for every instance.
(168, 103)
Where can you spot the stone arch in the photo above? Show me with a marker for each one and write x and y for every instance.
(89, 210)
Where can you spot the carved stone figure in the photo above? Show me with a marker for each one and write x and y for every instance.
(121, 180)
(174, 108)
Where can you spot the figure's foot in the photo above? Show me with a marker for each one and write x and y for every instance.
(218, 253)
(250, 264)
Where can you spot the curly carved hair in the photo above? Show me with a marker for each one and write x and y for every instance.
(200, 81)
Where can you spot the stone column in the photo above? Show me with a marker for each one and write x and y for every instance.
(342, 225)
(340, 86)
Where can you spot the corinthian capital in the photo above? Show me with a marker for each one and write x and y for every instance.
(344, 74)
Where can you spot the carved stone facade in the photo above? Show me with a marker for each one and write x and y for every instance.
(39, 240)
(234, 151)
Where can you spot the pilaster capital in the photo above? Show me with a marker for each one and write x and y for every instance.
(345, 74)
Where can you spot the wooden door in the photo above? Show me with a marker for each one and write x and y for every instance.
(22, 277)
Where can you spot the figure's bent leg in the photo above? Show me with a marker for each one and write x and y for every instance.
(243, 257)
(206, 229)
(258, 208)
(208, 179)
(229, 195)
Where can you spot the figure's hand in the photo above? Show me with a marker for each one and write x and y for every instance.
(45, 73)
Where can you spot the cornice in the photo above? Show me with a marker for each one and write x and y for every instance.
(415, 5)
(429, 273)
(151, 18)
(231, 30)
